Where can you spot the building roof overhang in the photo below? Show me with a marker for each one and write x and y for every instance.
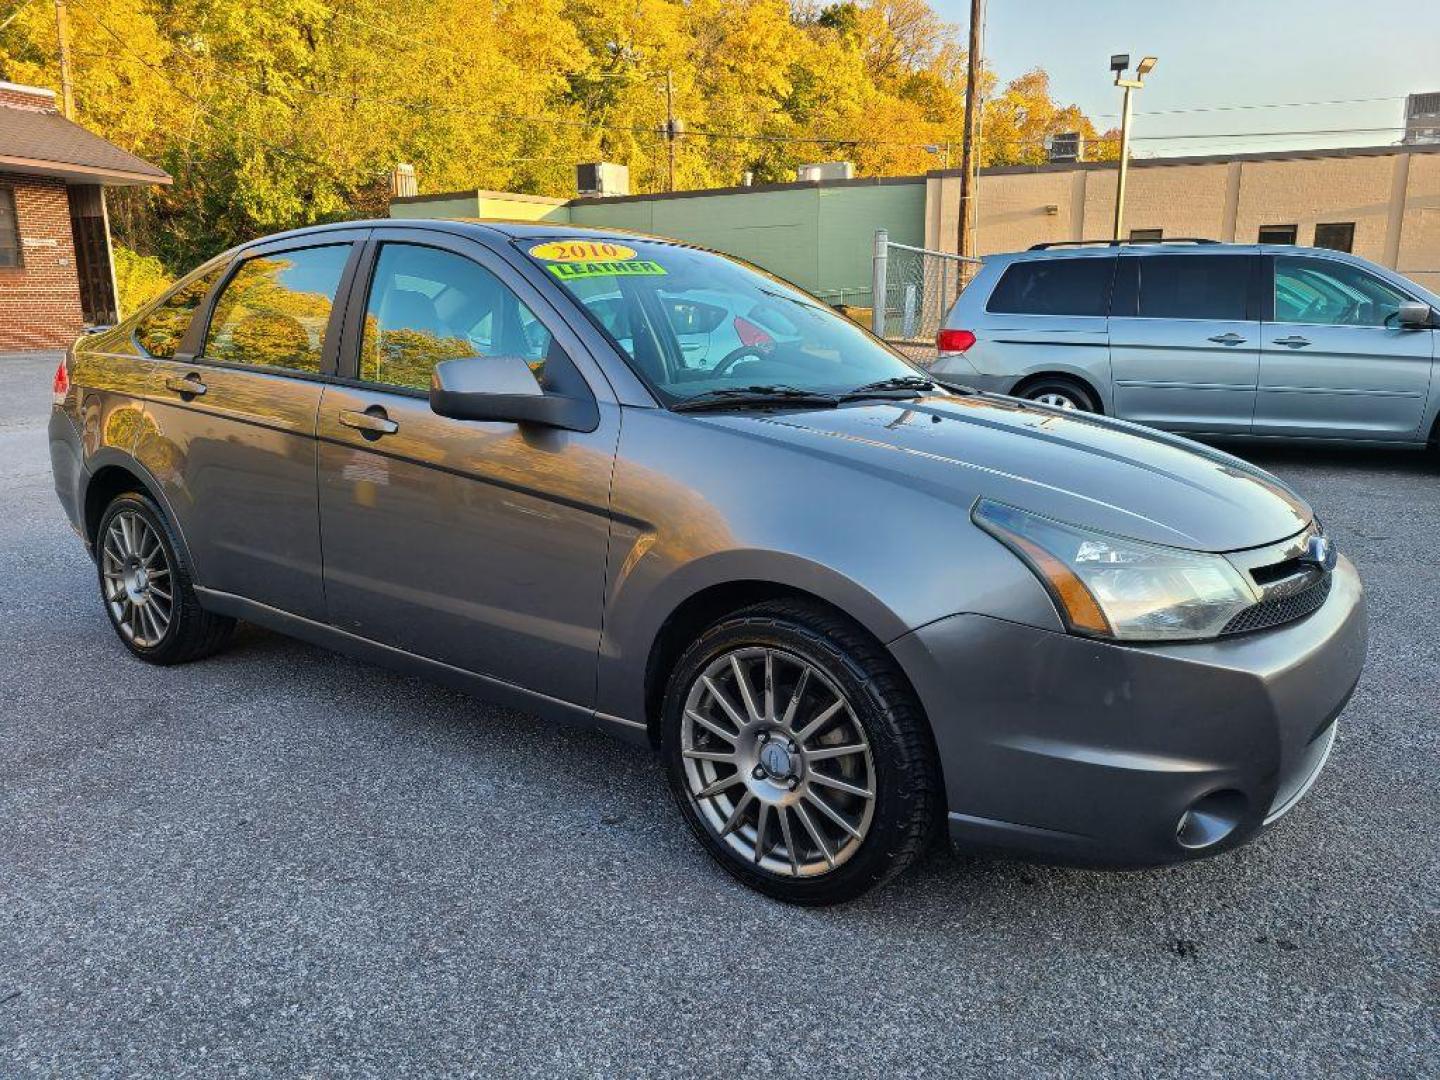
(40, 142)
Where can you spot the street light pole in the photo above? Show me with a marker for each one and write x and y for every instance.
(670, 131)
(62, 38)
(1118, 64)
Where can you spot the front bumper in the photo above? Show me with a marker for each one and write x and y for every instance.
(1085, 751)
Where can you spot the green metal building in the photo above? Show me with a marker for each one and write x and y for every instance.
(818, 234)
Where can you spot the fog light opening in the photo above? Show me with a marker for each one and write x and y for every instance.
(1210, 819)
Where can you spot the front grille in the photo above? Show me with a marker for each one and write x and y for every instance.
(1286, 609)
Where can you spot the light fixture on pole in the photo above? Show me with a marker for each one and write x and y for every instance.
(1118, 64)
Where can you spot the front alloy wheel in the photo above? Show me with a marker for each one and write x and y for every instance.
(776, 762)
(798, 754)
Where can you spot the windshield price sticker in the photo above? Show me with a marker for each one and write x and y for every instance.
(582, 251)
(569, 271)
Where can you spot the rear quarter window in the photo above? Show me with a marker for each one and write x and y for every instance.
(1054, 287)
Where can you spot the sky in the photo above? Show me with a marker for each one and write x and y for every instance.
(1225, 53)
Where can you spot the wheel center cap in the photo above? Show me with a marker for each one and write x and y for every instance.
(775, 759)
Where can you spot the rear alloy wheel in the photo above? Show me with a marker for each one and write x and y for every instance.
(798, 755)
(147, 588)
(1061, 394)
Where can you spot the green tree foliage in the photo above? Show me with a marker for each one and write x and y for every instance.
(272, 114)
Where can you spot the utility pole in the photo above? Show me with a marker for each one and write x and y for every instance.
(968, 151)
(62, 34)
(670, 131)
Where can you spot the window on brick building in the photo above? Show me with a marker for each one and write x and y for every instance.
(9, 229)
(1337, 235)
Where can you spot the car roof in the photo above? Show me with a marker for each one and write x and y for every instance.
(515, 230)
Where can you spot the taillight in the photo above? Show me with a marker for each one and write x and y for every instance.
(61, 386)
(954, 340)
(750, 334)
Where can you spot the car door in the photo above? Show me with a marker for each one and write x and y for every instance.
(478, 544)
(230, 433)
(1185, 340)
(1333, 360)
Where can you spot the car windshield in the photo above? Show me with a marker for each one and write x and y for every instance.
(693, 322)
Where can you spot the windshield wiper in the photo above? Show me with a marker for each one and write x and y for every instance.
(912, 383)
(740, 397)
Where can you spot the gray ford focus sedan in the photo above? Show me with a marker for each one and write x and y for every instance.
(620, 481)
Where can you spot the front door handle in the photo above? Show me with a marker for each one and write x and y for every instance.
(1231, 338)
(1295, 341)
(189, 386)
(372, 423)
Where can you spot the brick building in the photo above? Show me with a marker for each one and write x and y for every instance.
(56, 271)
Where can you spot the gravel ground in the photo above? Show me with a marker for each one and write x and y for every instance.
(283, 862)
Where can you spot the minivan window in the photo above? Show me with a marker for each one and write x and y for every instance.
(1054, 287)
(428, 305)
(1327, 293)
(1194, 287)
(275, 310)
(160, 332)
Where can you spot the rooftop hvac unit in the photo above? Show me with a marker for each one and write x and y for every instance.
(1065, 147)
(602, 178)
(826, 170)
(1422, 118)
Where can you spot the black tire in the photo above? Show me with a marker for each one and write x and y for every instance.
(1078, 396)
(190, 632)
(902, 764)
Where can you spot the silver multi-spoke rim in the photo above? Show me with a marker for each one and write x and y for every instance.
(1060, 401)
(136, 577)
(776, 763)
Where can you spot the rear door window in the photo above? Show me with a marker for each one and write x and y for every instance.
(275, 310)
(1055, 287)
(1215, 287)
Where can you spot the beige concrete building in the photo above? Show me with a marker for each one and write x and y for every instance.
(1380, 202)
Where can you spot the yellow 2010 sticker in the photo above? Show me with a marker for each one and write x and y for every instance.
(582, 251)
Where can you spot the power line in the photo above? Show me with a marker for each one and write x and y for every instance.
(1248, 108)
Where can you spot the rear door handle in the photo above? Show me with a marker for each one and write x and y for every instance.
(188, 386)
(1228, 339)
(372, 422)
(1295, 341)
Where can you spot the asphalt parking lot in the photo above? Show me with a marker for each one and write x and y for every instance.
(283, 862)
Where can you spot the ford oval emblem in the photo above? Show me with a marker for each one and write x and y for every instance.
(1320, 552)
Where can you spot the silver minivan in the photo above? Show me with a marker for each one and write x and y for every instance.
(1205, 338)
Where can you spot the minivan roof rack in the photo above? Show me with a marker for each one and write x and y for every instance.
(1121, 243)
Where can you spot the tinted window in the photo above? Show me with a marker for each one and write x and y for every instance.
(160, 332)
(275, 310)
(1318, 291)
(1054, 287)
(9, 229)
(1338, 236)
(428, 305)
(1193, 286)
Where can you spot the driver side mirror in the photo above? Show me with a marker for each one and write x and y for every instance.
(1413, 315)
(504, 389)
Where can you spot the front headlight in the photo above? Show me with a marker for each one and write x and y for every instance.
(1107, 586)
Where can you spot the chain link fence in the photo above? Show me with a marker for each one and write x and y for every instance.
(918, 286)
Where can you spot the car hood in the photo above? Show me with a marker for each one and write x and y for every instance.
(1112, 476)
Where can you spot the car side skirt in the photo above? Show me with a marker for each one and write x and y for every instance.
(482, 686)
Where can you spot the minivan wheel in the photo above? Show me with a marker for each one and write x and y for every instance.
(148, 589)
(798, 754)
(1061, 394)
